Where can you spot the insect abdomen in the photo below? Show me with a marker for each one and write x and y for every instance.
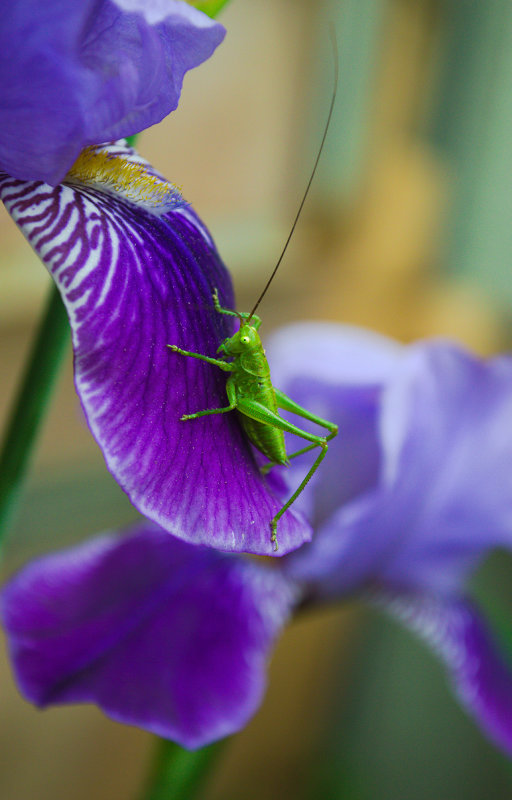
(254, 383)
(268, 440)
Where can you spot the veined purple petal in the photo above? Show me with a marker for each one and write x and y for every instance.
(74, 74)
(160, 634)
(458, 634)
(136, 269)
(444, 496)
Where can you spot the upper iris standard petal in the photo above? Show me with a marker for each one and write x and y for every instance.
(74, 74)
(136, 269)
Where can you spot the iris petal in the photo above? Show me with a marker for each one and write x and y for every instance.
(444, 497)
(477, 666)
(78, 73)
(160, 634)
(136, 269)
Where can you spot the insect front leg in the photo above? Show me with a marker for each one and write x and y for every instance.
(230, 390)
(256, 321)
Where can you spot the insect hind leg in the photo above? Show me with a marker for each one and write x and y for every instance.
(273, 523)
(287, 404)
(265, 469)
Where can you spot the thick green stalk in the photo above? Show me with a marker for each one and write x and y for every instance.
(210, 7)
(179, 774)
(29, 403)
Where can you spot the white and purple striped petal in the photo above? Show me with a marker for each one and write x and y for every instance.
(136, 269)
(160, 634)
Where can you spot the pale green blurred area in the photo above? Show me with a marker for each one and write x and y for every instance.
(407, 231)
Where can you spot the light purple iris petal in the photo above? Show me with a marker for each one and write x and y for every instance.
(455, 479)
(337, 373)
(160, 634)
(135, 279)
(445, 492)
(481, 676)
(336, 355)
(79, 73)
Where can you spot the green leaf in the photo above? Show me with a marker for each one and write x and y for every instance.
(29, 404)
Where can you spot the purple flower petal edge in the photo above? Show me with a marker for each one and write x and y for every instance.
(160, 634)
(481, 675)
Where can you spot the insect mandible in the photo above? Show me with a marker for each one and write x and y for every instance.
(249, 386)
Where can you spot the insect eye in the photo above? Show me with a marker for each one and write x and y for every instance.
(244, 339)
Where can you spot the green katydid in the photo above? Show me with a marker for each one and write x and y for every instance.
(249, 387)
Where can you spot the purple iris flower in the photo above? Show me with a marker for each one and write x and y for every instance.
(78, 72)
(417, 490)
(136, 269)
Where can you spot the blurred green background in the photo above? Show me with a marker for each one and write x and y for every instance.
(407, 231)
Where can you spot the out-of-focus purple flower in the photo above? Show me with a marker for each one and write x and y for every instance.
(160, 634)
(75, 73)
(417, 489)
(136, 269)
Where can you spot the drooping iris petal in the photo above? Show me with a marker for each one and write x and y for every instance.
(74, 74)
(478, 667)
(136, 269)
(445, 494)
(160, 634)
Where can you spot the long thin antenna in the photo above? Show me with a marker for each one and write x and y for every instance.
(333, 98)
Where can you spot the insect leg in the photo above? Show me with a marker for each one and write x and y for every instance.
(231, 393)
(267, 467)
(287, 404)
(256, 321)
(298, 491)
(215, 361)
(220, 309)
(259, 412)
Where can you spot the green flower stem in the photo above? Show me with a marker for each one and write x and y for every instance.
(179, 774)
(210, 7)
(29, 404)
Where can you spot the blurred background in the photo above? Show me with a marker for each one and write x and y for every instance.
(408, 231)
